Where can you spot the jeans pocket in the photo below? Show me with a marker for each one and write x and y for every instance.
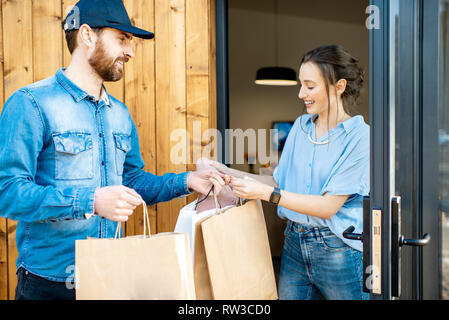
(122, 147)
(73, 155)
(332, 242)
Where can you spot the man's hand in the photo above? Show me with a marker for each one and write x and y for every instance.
(116, 203)
(203, 179)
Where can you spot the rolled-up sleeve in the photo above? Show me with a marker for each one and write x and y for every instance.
(351, 173)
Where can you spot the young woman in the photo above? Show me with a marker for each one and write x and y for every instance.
(323, 174)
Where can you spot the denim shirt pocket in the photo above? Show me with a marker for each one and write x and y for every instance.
(122, 147)
(73, 155)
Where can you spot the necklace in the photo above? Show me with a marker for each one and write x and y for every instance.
(324, 142)
(318, 143)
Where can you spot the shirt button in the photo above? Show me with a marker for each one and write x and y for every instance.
(310, 165)
(102, 163)
(100, 135)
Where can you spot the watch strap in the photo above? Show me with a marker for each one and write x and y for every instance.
(275, 196)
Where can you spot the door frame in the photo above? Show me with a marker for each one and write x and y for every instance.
(431, 218)
(417, 172)
(221, 21)
(380, 137)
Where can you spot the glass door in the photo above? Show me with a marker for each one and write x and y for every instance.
(404, 236)
(443, 141)
(413, 117)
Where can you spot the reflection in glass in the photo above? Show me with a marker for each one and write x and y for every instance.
(443, 110)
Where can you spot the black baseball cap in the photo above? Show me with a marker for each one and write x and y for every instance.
(103, 13)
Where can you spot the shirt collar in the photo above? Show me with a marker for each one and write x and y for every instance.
(105, 95)
(77, 93)
(347, 125)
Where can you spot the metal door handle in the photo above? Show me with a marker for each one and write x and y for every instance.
(415, 242)
(352, 236)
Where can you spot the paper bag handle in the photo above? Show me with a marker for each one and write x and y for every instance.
(218, 207)
(146, 223)
(217, 204)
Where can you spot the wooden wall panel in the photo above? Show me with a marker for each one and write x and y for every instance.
(18, 72)
(47, 56)
(169, 84)
(197, 78)
(140, 98)
(170, 96)
(3, 223)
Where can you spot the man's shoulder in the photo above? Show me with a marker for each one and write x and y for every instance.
(31, 91)
(118, 104)
(117, 101)
(49, 83)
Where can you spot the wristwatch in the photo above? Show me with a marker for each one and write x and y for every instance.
(275, 196)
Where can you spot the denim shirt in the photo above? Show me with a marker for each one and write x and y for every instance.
(338, 168)
(57, 146)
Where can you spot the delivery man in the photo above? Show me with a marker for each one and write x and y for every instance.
(70, 164)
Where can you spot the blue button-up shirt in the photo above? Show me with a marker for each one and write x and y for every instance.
(338, 168)
(57, 145)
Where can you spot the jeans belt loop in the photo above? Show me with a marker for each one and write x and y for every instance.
(317, 232)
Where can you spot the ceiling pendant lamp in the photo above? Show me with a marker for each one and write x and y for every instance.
(276, 76)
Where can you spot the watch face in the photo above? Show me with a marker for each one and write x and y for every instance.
(275, 196)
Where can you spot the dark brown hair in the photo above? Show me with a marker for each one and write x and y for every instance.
(71, 37)
(336, 63)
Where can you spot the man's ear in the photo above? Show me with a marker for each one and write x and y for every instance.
(86, 36)
(340, 86)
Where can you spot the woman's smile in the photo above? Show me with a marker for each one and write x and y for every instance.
(309, 104)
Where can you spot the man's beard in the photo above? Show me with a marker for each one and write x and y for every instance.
(105, 65)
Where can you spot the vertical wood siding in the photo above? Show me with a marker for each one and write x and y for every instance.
(167, 86)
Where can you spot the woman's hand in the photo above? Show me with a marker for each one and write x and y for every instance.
(248, 188)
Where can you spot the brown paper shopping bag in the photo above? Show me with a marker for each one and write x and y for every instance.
(139, 267)
(238, 254)
(203, 288)
(189, 221)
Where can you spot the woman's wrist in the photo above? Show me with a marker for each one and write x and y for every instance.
(266, 194)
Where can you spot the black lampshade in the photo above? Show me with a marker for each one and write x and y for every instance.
(276, 76)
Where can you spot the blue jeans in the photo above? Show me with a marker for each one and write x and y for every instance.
(32, 287)
(314, 260)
